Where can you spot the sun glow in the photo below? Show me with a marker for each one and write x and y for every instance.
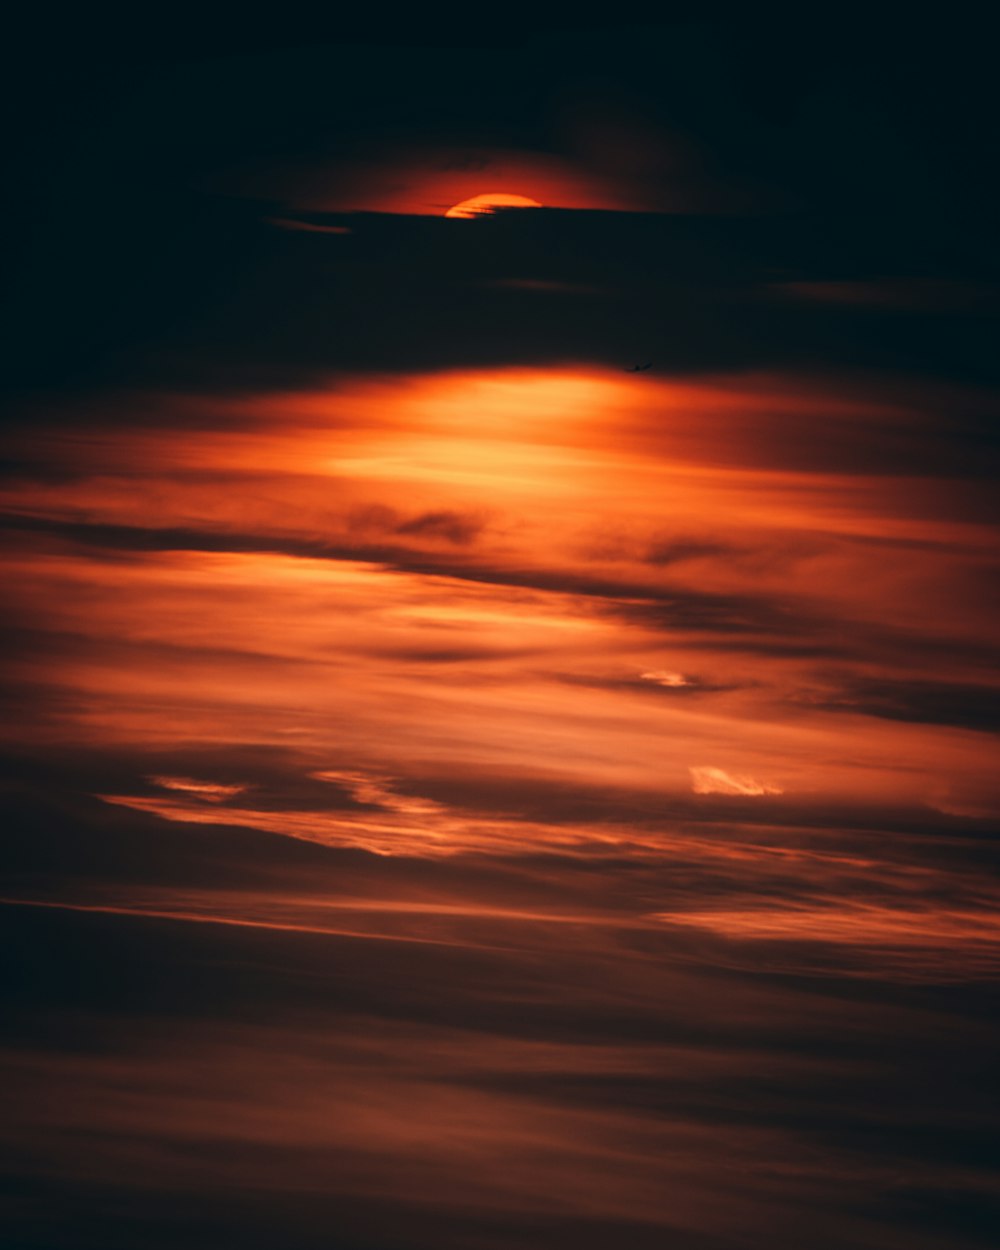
(485, 205)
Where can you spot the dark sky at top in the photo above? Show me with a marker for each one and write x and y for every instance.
(859, 146)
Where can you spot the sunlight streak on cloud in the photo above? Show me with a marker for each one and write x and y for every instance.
(708, 780)
(664, 677)
(207, 791)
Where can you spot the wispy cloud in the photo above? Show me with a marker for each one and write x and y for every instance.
(706, 779)
(664, 677)
(207, 791)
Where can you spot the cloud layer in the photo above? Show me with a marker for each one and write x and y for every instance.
(460, 793)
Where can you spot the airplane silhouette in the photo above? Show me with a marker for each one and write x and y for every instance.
(639, 368)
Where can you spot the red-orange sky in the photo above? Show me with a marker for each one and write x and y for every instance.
(464, 790)
(601, 579)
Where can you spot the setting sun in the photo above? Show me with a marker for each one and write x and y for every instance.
(485, 204)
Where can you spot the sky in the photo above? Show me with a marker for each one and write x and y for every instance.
(500, 745)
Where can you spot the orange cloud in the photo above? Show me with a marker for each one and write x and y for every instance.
(403, 577)
(207, 791)
(708, 780)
